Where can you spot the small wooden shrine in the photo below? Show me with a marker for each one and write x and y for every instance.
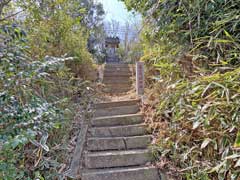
(111, 44)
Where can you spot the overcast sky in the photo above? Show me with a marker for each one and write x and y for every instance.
(116, 10)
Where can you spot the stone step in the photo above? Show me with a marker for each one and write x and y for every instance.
(132, 109)
(131, 173)
(117, 71)
(109, 159)
(118, 131)
(118, 86)
(117, 104)
(117, 92)
(116, 74)
(119, 65)
(116, 78)
(119, 143)
(114, 90)
(119, 120)
(117, 81)
(119, 68)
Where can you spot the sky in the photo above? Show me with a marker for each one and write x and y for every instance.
(116, 10)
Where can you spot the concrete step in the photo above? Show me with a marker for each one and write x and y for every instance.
(119, 120)
(119, 143)
(134, 173)
(132, 109)
(109, 159)
(118, 131)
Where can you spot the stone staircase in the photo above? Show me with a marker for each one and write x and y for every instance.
(117, 144)
(113, 145)
(117, 78)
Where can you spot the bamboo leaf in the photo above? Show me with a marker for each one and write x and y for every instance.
(205, 143)
(237, 141)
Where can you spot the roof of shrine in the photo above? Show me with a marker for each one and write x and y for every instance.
(112, 40)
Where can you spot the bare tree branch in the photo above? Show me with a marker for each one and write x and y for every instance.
(12, 15)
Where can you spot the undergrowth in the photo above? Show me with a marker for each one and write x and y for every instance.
(201, 110)
(36, 110)
(202, 136)
(191, 50)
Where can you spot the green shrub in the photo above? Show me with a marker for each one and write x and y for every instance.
(35, 101)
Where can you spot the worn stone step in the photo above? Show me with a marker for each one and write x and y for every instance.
(119, 143)
(108, 159)
(132, 109)
(118, 81)
(116, 74)
(119, 120)
(118, 131)
(111, 78)
(116, 90)
(118, 86)
(117, 70)
(119, 65)
(117, 103)
(130, 173)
